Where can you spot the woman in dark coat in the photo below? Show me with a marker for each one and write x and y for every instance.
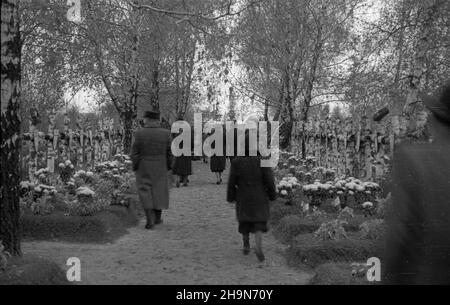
(251, 187)
(418, 235)
(218, 163)
(182, 167)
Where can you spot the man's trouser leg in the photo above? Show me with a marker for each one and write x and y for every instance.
(150, 215)
(158, 214)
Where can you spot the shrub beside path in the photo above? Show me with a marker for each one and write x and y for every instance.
(198, 243)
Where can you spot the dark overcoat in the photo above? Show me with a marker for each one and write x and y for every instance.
(251, 186)
(418, 235)
(150, 152)
(182, 166)
(218, 164)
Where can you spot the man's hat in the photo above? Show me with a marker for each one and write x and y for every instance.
(153, 115)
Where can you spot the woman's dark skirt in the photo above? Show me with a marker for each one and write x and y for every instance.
(246, 227)
(182, 166)
(218, 164)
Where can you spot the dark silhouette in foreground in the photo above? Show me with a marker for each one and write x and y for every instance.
(418, 236)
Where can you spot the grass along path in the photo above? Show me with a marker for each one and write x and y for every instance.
(198, 243)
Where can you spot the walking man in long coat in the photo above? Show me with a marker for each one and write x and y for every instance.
(151, 157)
(418, 238)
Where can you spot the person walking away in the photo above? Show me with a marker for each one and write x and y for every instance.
(182, 168)
(218, 163)
(151, 158)
(418, 233)
(251, 187)
(217, 166)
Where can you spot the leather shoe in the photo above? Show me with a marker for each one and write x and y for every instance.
(260, 255)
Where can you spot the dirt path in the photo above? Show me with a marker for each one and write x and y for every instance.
(197, 244)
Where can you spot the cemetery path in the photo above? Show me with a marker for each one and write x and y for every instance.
(198, 243)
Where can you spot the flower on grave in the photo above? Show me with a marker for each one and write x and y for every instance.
(336, 202)
(85, 191)
(304, 206)
(26, 185)
(346, 213)
(367, 205)
(80, 173)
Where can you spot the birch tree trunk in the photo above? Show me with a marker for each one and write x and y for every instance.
(63, 143)
(32, 149)
(130, 112)
(154, 98)
(311, 79)
(10, 122)
(286, 112)
(50, 143)
(412, 106)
